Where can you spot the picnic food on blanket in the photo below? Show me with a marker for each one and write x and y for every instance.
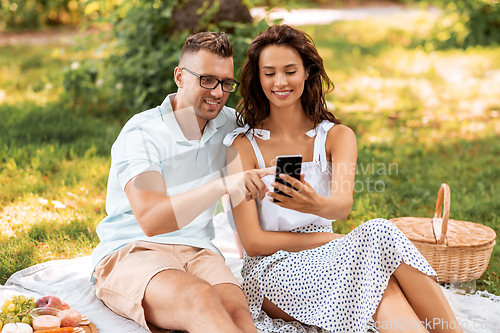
(71, 318)
(46, 318)
(64, 306)
(16, 310)
(59, 330)
(50, 301)
(47, 314)
(85, 320)
(17, 328)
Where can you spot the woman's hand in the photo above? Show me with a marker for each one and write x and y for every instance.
(303, 198)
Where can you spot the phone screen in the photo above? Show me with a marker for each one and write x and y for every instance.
(290, 165)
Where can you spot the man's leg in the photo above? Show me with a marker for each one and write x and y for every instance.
(177, 300)
(234, 301)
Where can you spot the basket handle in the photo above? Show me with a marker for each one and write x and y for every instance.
(444, 198)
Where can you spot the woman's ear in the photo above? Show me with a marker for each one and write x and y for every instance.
(178, 77)
(307, 74)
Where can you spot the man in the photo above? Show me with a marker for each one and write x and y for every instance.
(156, 263)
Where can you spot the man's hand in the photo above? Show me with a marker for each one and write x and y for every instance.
(247, 185)
(255, 187)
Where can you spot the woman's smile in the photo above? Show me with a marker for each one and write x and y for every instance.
(282, 93)
(282, 76)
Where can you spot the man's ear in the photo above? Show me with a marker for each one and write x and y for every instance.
(178, 77)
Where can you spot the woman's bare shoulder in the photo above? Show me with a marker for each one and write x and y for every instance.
(245, 150)
(242, 143)
(341, 132)
(340, 136)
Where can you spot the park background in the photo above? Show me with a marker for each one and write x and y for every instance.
(420, 89)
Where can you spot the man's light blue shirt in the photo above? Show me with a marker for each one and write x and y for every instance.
(153, 141)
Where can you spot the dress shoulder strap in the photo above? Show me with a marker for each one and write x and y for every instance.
(321, 132)
(250, 134)
(258, 153)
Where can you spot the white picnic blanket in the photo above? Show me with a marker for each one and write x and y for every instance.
(69, 280)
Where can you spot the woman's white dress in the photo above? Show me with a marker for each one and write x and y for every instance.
(332, 288)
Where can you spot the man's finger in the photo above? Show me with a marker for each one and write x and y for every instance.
(252, 191)
(256, 189)
(262, 189)
(264, 172)
(254, 180)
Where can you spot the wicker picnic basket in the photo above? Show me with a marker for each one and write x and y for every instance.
(452, 248)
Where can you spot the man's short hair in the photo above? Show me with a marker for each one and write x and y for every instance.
(217, 43)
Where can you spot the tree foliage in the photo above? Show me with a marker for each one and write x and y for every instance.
(468, 23)
(139, 73)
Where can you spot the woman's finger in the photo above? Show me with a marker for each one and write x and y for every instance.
(293, 181)
(282, 199)
(283, 188)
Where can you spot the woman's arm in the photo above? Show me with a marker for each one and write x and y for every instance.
(255, 240)
(341, 146)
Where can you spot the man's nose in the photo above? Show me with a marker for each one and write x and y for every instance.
(217, 91)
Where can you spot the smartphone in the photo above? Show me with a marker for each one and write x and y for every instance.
(290, 165)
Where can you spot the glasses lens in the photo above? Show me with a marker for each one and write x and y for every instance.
(229, 86)
(208, 82)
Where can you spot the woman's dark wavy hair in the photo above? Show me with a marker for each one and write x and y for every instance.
(254, 107)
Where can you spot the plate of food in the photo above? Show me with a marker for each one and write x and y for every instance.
(48, 314)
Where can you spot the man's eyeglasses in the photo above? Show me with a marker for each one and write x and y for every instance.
(209, 82)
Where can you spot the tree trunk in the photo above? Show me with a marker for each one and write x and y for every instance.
(186, 16)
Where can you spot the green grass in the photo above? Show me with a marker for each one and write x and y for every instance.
(53, 180)
(54, 165)
(422, 117)
(469, 167)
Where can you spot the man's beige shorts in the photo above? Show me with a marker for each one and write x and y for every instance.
(122, 277)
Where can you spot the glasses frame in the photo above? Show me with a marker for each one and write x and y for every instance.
(213, 78)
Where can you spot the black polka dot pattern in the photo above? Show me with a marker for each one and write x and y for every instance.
(332, 288)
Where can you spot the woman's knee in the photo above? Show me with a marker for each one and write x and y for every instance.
(378, 222)
(379, 225)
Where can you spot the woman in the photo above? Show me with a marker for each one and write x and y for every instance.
(295, 269)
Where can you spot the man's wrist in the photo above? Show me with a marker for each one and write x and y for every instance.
(224, 184)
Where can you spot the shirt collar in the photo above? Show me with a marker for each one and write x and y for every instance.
(167, 114)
